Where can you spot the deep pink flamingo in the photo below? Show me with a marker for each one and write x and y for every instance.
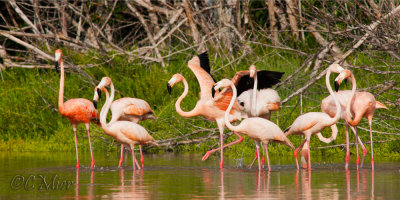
(126, 109)
(352, 103)
(76, 110)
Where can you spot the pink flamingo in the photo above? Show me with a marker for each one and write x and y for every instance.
(127, 109)
(212, 109)
(76, 110)
(314, 122)
(259, 129)
(352, 103)
(125, 132)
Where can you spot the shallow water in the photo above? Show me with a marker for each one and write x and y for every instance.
(185, 176)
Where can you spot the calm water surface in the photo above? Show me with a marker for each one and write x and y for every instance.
(185, 176)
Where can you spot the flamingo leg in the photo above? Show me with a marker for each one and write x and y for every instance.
(255, 157)
(309, 155)
(76, 146)
(134, 158)
(262, 158)
(266, 153)
(296, 150)
(221, 140)
(122, 156)
(358, 158)
(346, 160)
(141, 155)
(364, 150)
(90, 145)
(214, 150)
(258, 156)
(372, 148)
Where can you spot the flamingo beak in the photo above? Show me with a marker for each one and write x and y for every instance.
(57, 66)
(95, 104)
(337, 84)
(99, 92)
(213, 91)
(169, 88)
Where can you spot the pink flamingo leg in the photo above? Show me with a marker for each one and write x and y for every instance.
(346, 160)
(266, 153)
(90, 145)
(122, 156)
(214, 150)
(358, 158)
(362, 146)
(221, 139)
(134, 159)
(295, 152)
(258, 157)
(372, 148)
(255, 157)
(309, 155)
(263, 160)
(141, 156)
(76, 146)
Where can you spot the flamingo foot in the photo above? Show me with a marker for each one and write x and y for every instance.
(206, 156)
(92, 164)
(77, 165)
(372, 164)
(221, 164)
(362, 160)
(120, 162)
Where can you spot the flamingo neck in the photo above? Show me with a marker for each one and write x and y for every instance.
(227, 122)
(180, 99)
(106, 107)
(61, 90)
(353, 91)
(338, 109)
(254, 100)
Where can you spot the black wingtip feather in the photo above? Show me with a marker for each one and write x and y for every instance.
(204, 61)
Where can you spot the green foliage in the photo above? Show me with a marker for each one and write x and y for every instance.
(30, 121)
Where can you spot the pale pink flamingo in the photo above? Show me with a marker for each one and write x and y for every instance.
(125, 132)
(352, 103)
(126, 109)
(259, 129)
(212, 109)
(314, 122)
(76, 110)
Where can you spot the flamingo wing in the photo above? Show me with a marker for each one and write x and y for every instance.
(137, 107)
(136, 133)
(223, 99)
(200, 66)
(266, 79)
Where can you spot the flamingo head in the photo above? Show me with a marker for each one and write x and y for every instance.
(336, 68)
(105, 81)
(176, 78)
(342, 76)
(58, 58)
(252, 70)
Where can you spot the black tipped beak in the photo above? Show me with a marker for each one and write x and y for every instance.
(57, 66)
(169, 88)
(99, 92)
(213, 91)
(95, 104)
(336, 86)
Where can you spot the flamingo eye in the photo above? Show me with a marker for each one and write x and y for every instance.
(241, 103)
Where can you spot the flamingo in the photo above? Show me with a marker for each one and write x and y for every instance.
(125, 132)
(212, 109)
(259, 129)
(76, 110)
(127, 109)
(352, 103)
(314, 122)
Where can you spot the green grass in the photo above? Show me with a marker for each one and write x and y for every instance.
(28, 123)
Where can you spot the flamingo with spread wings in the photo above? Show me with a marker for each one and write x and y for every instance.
(352, 103)
(126, 109)
(76, 110)
(212, 109)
